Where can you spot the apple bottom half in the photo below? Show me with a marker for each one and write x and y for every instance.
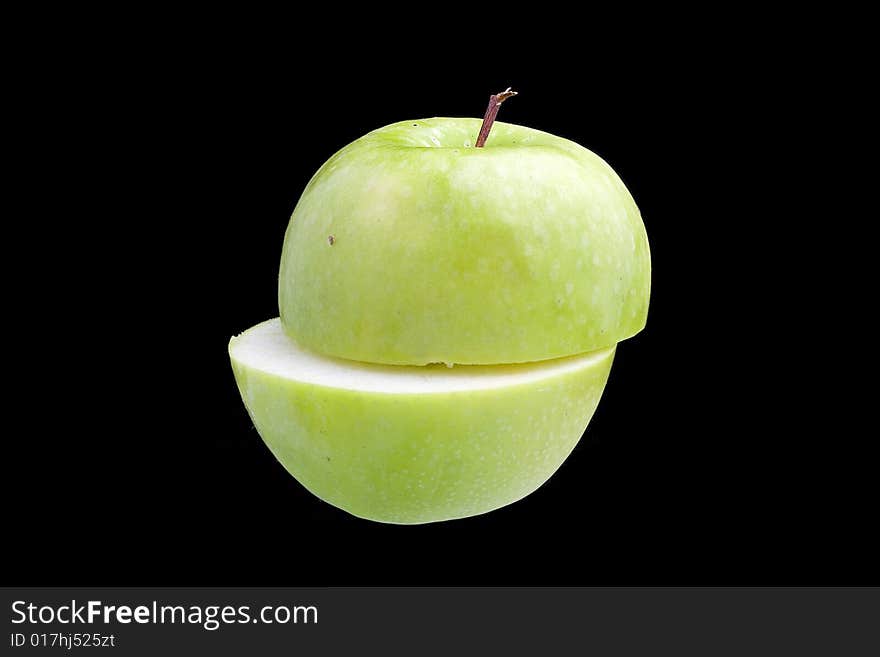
(411, 445)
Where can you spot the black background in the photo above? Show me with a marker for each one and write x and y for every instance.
(168, 167)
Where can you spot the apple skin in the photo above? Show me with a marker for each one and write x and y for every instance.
(424, 456)
(528, 249)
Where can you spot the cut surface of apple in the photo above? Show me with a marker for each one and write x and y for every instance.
(407, 444)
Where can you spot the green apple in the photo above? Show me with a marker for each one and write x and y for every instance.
(410, 246)
(406, 444)
(519, 262)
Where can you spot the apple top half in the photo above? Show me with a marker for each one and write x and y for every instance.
(410, 246)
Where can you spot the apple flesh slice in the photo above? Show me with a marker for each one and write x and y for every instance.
(408, 444)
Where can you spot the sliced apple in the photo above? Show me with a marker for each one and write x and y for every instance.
(407, 444)
(410, 247)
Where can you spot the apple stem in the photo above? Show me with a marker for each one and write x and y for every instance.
(495, 101)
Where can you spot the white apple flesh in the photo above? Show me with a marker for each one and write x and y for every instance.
(406, 444)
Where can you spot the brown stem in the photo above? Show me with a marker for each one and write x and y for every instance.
(495, 101)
